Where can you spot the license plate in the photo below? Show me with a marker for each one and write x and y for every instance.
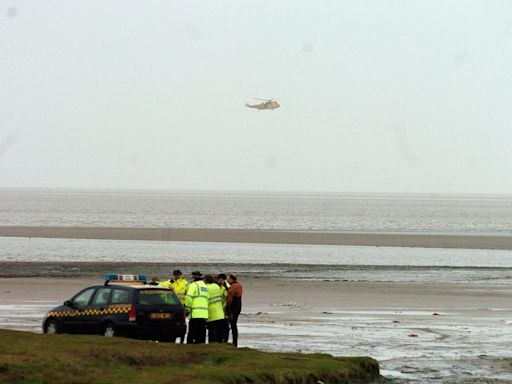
(160, 316)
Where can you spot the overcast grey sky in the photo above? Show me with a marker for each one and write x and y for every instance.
(376, 96)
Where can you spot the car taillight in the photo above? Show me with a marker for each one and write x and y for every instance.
(132, 316)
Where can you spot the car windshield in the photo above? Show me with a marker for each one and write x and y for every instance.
(157, 297)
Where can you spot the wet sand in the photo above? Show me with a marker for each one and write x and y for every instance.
(466, 241)
(262, 294)
(469, 338)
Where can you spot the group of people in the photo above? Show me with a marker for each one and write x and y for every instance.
(212, 303)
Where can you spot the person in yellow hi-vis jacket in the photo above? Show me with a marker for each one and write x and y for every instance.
(215, 322)
(165, 284)
(196, 304)
(221, 281)
(171, 284)
(180, 285)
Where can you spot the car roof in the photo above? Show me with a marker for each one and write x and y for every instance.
(130, 286)
(152, 287)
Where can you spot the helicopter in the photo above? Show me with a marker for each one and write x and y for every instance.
(266, 104)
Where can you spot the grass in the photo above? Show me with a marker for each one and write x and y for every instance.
(35, 358)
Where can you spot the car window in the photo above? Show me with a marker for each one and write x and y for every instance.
(120, 296)
(102, 296)
(83, 298)
(157, 297)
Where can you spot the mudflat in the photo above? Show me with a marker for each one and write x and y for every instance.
(316, 296)
(424, 240)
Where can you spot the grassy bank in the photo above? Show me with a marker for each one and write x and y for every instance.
(34, 358)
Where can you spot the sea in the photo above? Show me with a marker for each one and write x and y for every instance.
(321, 212)
(477, 353)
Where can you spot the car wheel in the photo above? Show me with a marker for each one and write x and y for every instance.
(51, 327)
(109, 331)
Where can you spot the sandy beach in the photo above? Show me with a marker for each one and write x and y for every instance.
(469, 334)
(226, 235)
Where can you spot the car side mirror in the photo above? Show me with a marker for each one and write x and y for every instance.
(68, 303)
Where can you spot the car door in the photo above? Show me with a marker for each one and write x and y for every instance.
(97, 309)
(75, 321)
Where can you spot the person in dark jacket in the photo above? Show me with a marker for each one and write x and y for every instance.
(234, 305)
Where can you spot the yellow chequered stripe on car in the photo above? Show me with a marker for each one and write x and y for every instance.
(91, 312)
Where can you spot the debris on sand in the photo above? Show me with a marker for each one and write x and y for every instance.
(291, 304)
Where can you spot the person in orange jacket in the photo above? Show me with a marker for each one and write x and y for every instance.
(234, 305)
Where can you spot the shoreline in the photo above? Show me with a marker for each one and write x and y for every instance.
(265, 236)
(276, 271)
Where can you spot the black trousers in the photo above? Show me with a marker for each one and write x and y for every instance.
(196, 331)
(215, 330)
(225, 331)
(233, 319)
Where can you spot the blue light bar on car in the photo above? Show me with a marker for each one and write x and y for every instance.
(113, 277)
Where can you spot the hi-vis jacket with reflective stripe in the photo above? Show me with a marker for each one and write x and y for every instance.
(196, 300)
(180, 287)
(215, 310)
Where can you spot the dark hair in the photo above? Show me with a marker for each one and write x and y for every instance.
(208, 279)
(232, 277)
(221, 276)
(177, 272)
